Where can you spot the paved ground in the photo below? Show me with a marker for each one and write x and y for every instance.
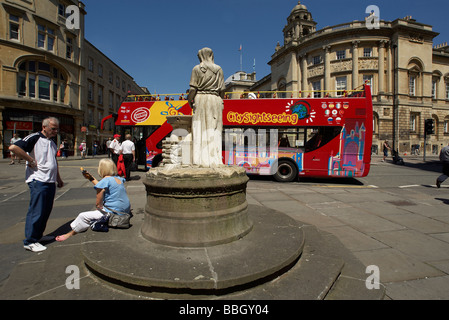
(401, 229)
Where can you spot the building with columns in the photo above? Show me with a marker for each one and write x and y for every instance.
(408, 74)
(48, 68)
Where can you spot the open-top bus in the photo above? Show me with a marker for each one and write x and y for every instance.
(284, 137)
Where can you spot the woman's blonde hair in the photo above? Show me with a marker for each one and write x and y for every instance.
(107, 167)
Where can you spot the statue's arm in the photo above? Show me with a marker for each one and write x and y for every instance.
(191, 97)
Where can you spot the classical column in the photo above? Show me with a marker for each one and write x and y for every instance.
(327, 68)
(355, 64)
(294, 66)
(304, 74)
(381, 85)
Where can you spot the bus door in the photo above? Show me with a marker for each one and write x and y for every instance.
(139, 136)
(140, 133)
(322, 143)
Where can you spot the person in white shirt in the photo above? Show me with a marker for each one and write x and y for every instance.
(108, 144)
(42, 176)
(128, 150)
(13, 141)
(115, 148)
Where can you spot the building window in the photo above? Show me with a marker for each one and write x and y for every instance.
(434, 89)
(90, 64)
(412, 85)
(21, 88)
(90, 116)
(42, 80)
(340, 85)
(341, 54)
(14, 27)
(90, 91)
(447, 90)
(117, 82)
(100, 117)
(45, 37)
(61, 10)
(316, 89)
(111, 77)
(375, 123)
(282, 87)
(446, 126)
(69, 48)
(367, 52)
(100, 95)
(316, 60)
(369, 80)
(413, 122)
(100, 70)
(111, 100)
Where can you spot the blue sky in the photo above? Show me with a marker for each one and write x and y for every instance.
(156, 42)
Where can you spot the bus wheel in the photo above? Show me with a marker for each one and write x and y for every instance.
(286, 172)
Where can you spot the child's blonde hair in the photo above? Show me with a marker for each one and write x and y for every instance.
(107, 167)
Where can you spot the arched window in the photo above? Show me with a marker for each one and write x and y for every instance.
(375, 123)
(282, 87)
(41, 80)
(415, 68)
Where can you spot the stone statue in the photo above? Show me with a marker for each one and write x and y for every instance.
(206, 98)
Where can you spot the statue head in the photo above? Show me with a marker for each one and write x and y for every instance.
(206, 55)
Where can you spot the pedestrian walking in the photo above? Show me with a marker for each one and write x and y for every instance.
(64, 147)
(108, 144)
(111, 196)
(444, 158)
(115, 148)
(13, 155)
(42, 175)
(94, 149)
(386, 147)
(128, 150)
(83, 149)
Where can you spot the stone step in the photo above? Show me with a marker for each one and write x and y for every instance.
(325, 270)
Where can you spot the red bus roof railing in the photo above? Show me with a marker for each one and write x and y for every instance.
(318, 94)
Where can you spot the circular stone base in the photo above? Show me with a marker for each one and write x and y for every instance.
(196, 207)
(126, 259)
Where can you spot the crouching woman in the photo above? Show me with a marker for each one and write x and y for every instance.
(111, 196)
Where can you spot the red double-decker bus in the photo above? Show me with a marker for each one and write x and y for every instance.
(284, 137)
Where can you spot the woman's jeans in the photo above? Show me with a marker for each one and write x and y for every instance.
(42, 196)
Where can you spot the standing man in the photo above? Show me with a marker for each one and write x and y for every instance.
(108, 144)
(444, 158)
(128, 150)
(42, 174)
(13, 155)
(115, 148)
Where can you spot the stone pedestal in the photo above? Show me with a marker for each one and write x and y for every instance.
(196, 207)
(177, 148)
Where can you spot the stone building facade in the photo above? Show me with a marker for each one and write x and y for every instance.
(48, 68)
(408, 74)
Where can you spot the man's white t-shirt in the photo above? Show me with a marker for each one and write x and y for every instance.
(44, 151)
(115, 146)
(127, 147)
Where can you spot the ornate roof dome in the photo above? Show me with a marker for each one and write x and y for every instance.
(299, 6)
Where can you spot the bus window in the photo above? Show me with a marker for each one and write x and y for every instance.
(291, 137)
(319, 136)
